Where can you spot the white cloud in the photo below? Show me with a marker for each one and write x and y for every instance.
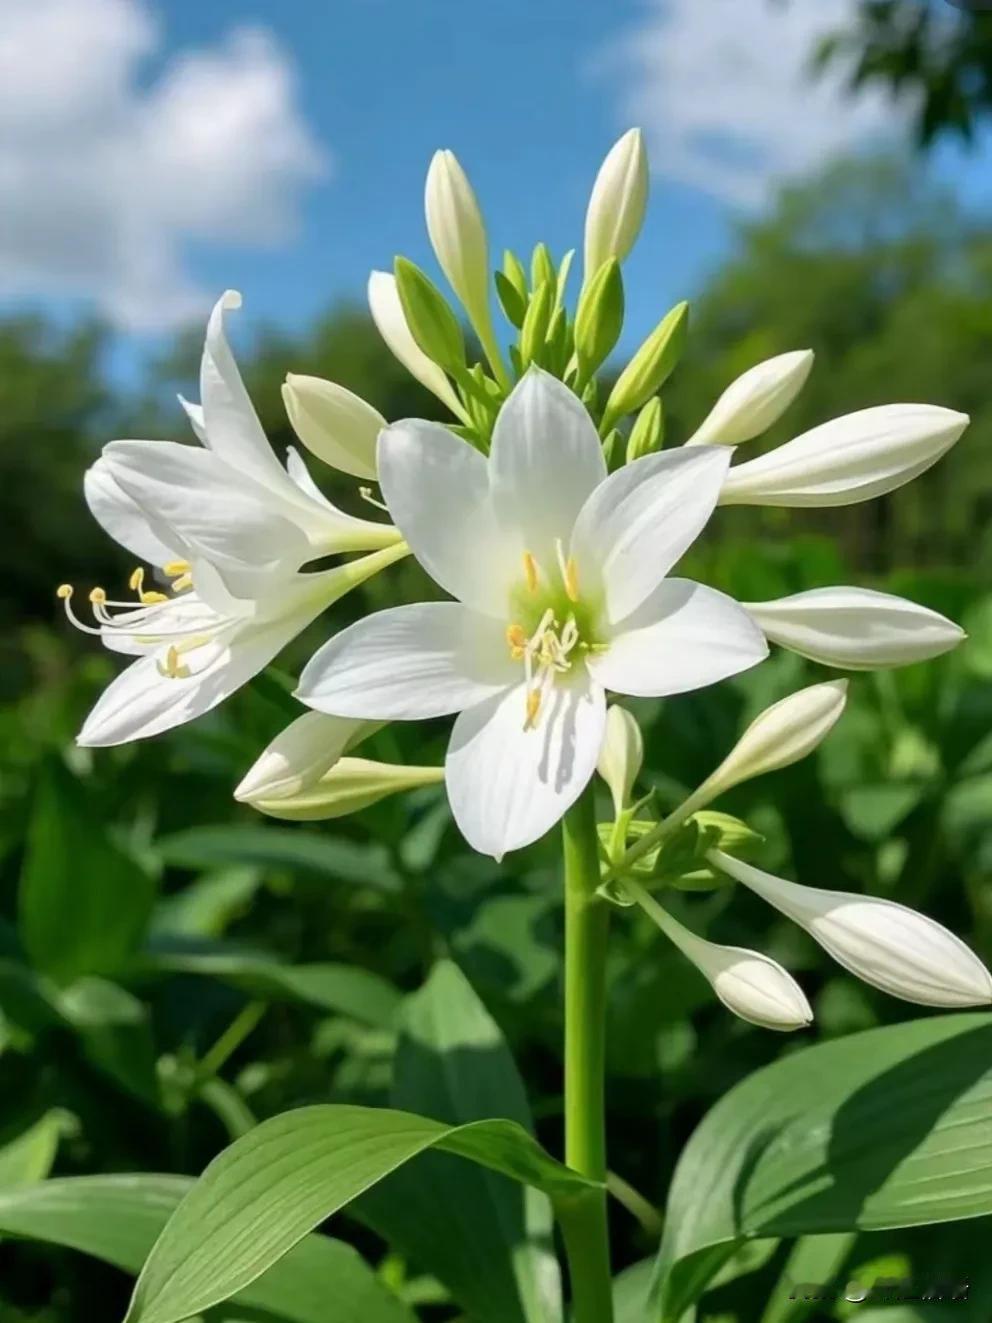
(105, 177)
(724, 91)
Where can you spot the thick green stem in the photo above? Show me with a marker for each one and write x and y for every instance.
(587, 917)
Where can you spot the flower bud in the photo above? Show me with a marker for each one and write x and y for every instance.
(432, 323)
(755, 400)
(617, 203)
(333, 423)
(387, 313)
(847, 460)
(599, 318)
(300, 755)
(537, 319)
(781, 735)
(648, 433)
(856, 629)
(621, 756)
(886, 944)
(650, 367)
(350, 785)
(458, 235)
(751, 985)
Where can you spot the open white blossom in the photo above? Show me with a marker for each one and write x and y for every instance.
(559, 574)
(226, 530)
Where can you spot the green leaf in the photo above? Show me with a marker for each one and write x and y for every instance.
(114, 1029)
(281, 847)
(117, 1218)
(83, 904)
(887, 1128)
(28, 1158)
(488, 1240)
(813, 1260)
(263, 1194)
(341, 989)
(632, 1292)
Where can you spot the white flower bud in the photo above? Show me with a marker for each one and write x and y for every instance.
(886, 944)
(333, 423)
(751, 985)
(617, 203)
(781, 735)
(300, 755)
(387, 313)
(847, 460)
(755, 400)
(621, 756)
(350, 785)
(856, 629)
(458, 234)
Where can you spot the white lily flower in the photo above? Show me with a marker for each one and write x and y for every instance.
(886, 944)
(228, 530)
(390, 319)
(621, 756)
(755, 400)
(617, 203)
(333, 423)
(300, 755)
(750, 984)
(848, 460)
(559, 575)
(778, 737)
(857, 629)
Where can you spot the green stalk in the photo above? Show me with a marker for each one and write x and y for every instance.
(587, 916)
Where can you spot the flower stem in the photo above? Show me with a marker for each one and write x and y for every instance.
(587, 916)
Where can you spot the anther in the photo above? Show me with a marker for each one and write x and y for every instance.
(136, 580)
(152, 599)
(174, 567)
(98, 596)
(530, 571)
(64, 591)
(533, 707)
(184, 581)
(517, 640)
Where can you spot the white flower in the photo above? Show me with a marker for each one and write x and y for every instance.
(847, 460)
(755, 400)
(621, 756)
(390, 319)
(781, 735)
(559, 575)
(617, 203)
(300, 755)
(333, 423)
(227, 529)
(886, 944)
(751, 985)
(856, 628)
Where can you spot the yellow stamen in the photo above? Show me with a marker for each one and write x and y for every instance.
(174, 567)
(63, 592)
(533, 706)
(136, 580)
(517, 640)
(530, 571)
(150, 599)
(184, 581)
(98, 596)
(173, 668)
(571, 579)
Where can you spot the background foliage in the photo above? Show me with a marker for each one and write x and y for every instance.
(173, 968)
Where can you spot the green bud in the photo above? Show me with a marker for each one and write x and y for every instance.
(542, 267)
(513, 305)
(481, 395)
(351, 784)
(513, 270)
(432, 323)
(648, 433)
(536, 321)
(613, 449)
(559, 342)
(650, 367)
(712, 831)
(563, 273)
(599, 318)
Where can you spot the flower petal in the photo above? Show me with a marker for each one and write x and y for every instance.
(685, 636)
(387, 313)
(339, 531)
(300, 755)
(426, 660)
(146, 536)
(437, 490)
(545, 462)
(857, 629)
(507, 786)
(642, 519)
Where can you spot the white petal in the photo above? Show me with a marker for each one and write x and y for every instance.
(847, 460)
(508, 786)
(546, 460)
(856, 628)
(337, 530)
(426, 660)
(334, 423)
(755, 400)
(888, 945)
(437, 490)
(685, 636)
(387, 313)
(638, 523)
(300, 755)
(149, 538)
(194, 412)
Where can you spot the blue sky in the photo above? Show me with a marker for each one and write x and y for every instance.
(168, 149)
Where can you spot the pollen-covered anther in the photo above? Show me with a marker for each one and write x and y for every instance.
(569, 572)
(533, 707)
(531, 573)
(174, 668)
(98, 597)
(182, 583)
(517, 640)
(172, 568)
(64, 591)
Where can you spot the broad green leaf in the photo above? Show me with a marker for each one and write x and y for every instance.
(83, 904)
(263, 1194)
(342, 989)
(117, 1219)
(330, 857)
(887, 1128)
(28, 1158)
(486, 1238)
(632, 1292)
(812, 1260)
